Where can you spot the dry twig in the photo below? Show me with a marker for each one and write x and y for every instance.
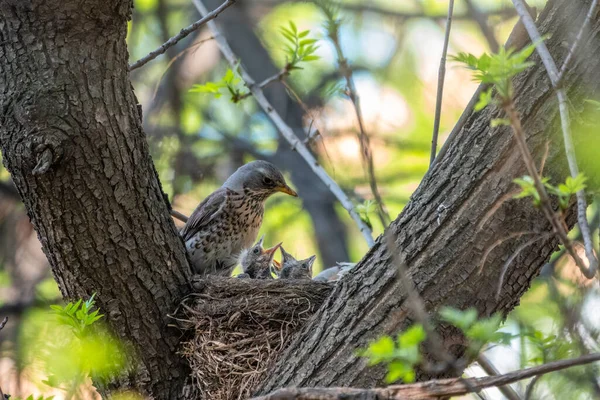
(440, 85)
(182, 34)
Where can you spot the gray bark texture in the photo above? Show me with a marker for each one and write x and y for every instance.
(72, 140)
(438, 235)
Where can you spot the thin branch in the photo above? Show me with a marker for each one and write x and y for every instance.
(575, 44)
(589, 271)
(440, 84)
(545, 204)
(285, 130)
(3, 324)
(531, 386)
(427, 390)
(369, 7)
(484, 27)
(182, 34)
(178, 215)
(490, 369)
(363, 137)
(517, 39)
(278, 77)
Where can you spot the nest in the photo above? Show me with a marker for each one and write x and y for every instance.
(238, 328)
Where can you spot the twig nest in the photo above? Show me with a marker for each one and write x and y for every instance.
(238, 327)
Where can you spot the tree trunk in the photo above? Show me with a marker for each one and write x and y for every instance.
(72, 140)
(449, 223)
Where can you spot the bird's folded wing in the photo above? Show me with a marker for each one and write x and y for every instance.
(209, 209)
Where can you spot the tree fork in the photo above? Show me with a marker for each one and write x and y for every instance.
(457, 212)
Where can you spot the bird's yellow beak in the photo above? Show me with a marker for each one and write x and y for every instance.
(277, 265)
(287, 190)
(273, 249)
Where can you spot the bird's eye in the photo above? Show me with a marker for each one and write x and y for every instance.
(256, 250)
(305, 266)
(268, 181)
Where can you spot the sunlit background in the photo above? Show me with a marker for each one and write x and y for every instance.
(394, 50)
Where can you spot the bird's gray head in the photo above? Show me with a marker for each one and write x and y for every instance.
(256, 257)
(295, 269)
(260, 177)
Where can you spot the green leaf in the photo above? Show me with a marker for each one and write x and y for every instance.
(461, 319)
(485, 98)
(303, 33)
(412, 337)
(293, 27)
(399, 370)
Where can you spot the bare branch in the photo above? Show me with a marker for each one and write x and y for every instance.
(491, 370)
(427, 390)
(182, 34)
(575, 44)
(363, 137)
(285, 130)
(482, 21)
(178, 215)
(440, 84)
(549, 64)
(517, 39)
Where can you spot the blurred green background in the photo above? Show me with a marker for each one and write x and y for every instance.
(197, 141)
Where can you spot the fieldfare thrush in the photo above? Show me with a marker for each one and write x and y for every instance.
(228, 220)
(295, 269)
(258, 262)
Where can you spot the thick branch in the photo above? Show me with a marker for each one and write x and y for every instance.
(434, 389)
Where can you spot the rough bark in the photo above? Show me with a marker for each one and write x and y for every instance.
(438, 235)
(71, 138)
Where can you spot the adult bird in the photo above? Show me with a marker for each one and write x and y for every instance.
(228, 220)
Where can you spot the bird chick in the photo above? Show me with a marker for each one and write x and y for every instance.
(229, 219)
(258, 262)
(295, 269)
(334, 273)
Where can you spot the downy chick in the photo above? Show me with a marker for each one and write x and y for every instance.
(257, 262)
(295, 269)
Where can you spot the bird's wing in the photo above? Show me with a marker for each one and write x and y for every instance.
(211, 207)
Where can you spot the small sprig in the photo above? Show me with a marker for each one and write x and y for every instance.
(230, 84)
(299, 48)
(497, 69)
(478, 331)
(563, 191)
(401, 355)
(78, 316)
(364, 210)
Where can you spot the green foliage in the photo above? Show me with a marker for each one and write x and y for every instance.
(78, 316)
(70, 346)
(563, 191)
(401, 355)
(479, 332)
(230, 84)
(496, 69)
(299, 48)
(364, 210)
